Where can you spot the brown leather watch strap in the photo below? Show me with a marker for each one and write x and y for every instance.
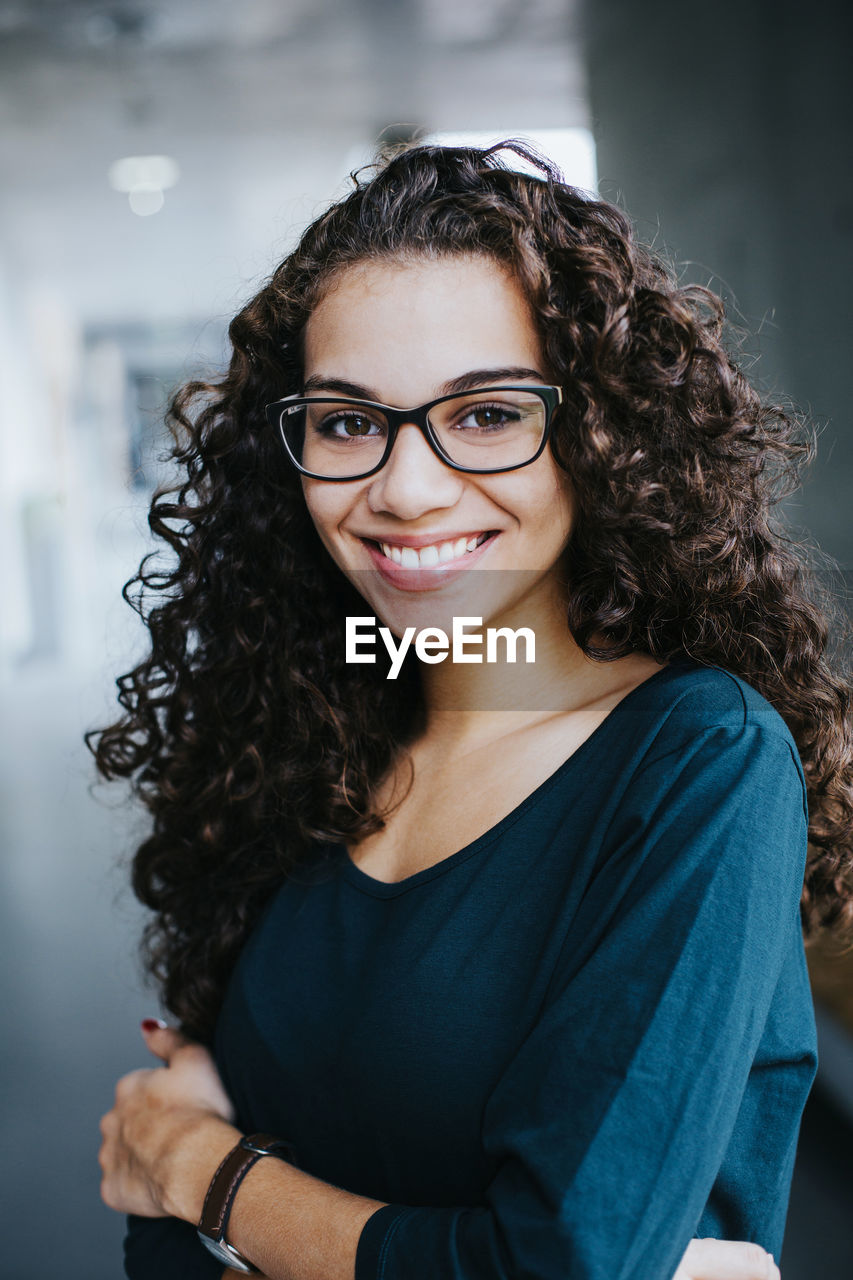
(229, 1175)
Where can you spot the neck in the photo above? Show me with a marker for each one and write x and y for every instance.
(466, 702)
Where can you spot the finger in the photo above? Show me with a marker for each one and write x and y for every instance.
(712, 1259)
(161, 1039)
(127, 1085)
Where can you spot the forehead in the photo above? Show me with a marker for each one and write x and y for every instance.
(414, 324)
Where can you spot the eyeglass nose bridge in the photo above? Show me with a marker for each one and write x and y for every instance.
(418, 417)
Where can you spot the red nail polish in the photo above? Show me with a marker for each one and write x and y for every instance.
(152, 1024)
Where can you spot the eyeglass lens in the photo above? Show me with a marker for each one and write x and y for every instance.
(484, 431)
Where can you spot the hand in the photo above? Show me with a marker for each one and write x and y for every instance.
(712, 1259)
(154, 1109)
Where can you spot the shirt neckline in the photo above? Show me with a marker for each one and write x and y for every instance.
(393, 888)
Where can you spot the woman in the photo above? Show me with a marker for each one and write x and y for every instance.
(510, 954)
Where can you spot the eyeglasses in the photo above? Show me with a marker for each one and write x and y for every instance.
(487, 430)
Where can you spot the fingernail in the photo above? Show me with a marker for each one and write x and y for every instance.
(152, 1024)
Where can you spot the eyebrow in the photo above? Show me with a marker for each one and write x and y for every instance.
(465, 382)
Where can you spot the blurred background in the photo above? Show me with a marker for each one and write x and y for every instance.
(157, 159)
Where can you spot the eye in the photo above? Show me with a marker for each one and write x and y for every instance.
(488, 417)
(352, 425)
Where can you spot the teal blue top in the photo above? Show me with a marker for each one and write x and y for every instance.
(567, 1048)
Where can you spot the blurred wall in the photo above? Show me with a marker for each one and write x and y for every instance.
(724, 130)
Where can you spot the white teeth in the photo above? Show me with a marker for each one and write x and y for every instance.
(429, 557)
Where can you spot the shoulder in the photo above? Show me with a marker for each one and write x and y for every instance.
(715, 784)
(687, 698)
(690, 709)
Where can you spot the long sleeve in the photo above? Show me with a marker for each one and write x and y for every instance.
(655, 1017)
(166, 1249)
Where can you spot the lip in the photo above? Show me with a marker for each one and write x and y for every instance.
(435, 576)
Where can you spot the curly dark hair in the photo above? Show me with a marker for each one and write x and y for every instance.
(246, 734)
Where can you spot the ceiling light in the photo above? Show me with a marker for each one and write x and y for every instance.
(144, 179)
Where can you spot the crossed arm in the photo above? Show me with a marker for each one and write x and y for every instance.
(169, 1129)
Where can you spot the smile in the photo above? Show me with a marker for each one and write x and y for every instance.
(437, 553)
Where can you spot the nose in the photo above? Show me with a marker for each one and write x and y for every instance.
(414, 480)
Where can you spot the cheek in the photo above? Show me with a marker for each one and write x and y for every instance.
(324, 507)
(561, 502)
(567, 510)
(329, 506)
(552, 506)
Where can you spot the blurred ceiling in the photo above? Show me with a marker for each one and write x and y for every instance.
(264, 106)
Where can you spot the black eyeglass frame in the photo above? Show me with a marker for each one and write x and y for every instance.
(551, 396)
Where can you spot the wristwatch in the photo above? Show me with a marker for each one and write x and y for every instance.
(223, 1188)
